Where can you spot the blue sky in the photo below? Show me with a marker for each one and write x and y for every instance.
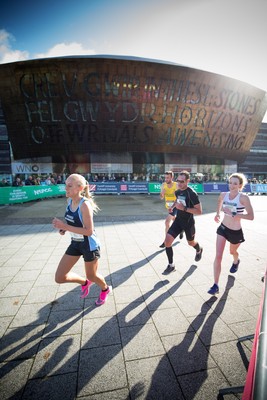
(227, 37)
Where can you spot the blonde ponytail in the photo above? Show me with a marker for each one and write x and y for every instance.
(86, 193)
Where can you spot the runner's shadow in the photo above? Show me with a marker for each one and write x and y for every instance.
(191, 355)
(121, 276)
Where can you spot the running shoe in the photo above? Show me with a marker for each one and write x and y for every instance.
(169, 269)
(181, 235)
(199, 254)
(103, 296)
(234, 267)
(214, 289)
(162, 246)
(85, 289)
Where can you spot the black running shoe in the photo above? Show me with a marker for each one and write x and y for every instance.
(199, 254)
(169, 269)
(162, 246)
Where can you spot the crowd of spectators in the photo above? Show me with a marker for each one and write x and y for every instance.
(54, 179)
(33, 180)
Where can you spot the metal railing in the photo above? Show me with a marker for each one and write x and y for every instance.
(260, 378)
(256, 381)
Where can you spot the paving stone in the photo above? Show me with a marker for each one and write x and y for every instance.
(61, 323)
(20, 343)
(100, 332)
(31, 314)
(13, 378)
(135, 313)
(101, 369)
(60, 387)
(203, 385)
(56, 356)
(18, 289)
(4, 324)
(40, 295)
(9, 306)
(153, 378)
(140, 342)
(162, 318)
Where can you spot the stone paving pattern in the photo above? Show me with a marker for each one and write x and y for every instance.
(157, 337)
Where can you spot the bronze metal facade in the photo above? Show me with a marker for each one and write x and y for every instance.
(79, 105)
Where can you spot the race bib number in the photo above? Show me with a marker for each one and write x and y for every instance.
(76, 236)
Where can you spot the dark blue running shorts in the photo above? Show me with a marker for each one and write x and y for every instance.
(81, 248)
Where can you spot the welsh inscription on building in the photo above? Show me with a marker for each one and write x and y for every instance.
(95, 104)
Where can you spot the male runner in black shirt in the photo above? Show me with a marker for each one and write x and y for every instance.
(187, 204)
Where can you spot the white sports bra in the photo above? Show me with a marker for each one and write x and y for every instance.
(234, 205)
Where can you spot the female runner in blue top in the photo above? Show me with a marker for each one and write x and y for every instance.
(232, 204)
(84, 242)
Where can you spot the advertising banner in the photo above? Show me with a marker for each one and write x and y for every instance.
(154, 187)
(104, 187)
(258, 187)
(222, 187)
(215, 187)
(41, 165)
(133, 187)
(13, 195)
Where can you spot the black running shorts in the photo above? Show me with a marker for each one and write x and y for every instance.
(232, 236)
(179, 226)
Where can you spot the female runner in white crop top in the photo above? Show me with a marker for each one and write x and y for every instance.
(232, 204)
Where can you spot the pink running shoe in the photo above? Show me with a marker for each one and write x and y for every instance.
(103, 296)
(86, 289)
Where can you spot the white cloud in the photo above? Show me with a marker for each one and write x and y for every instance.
(66, 49)
(7, 54)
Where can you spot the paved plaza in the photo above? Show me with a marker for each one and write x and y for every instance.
(157, 337)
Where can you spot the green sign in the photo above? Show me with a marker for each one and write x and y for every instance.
(12, 195)
(154, 187)
(198, 187)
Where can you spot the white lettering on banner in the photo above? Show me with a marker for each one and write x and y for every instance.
(40, 191)
(62, 188)
(18, 194)
(195, 187)
(259, 187)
